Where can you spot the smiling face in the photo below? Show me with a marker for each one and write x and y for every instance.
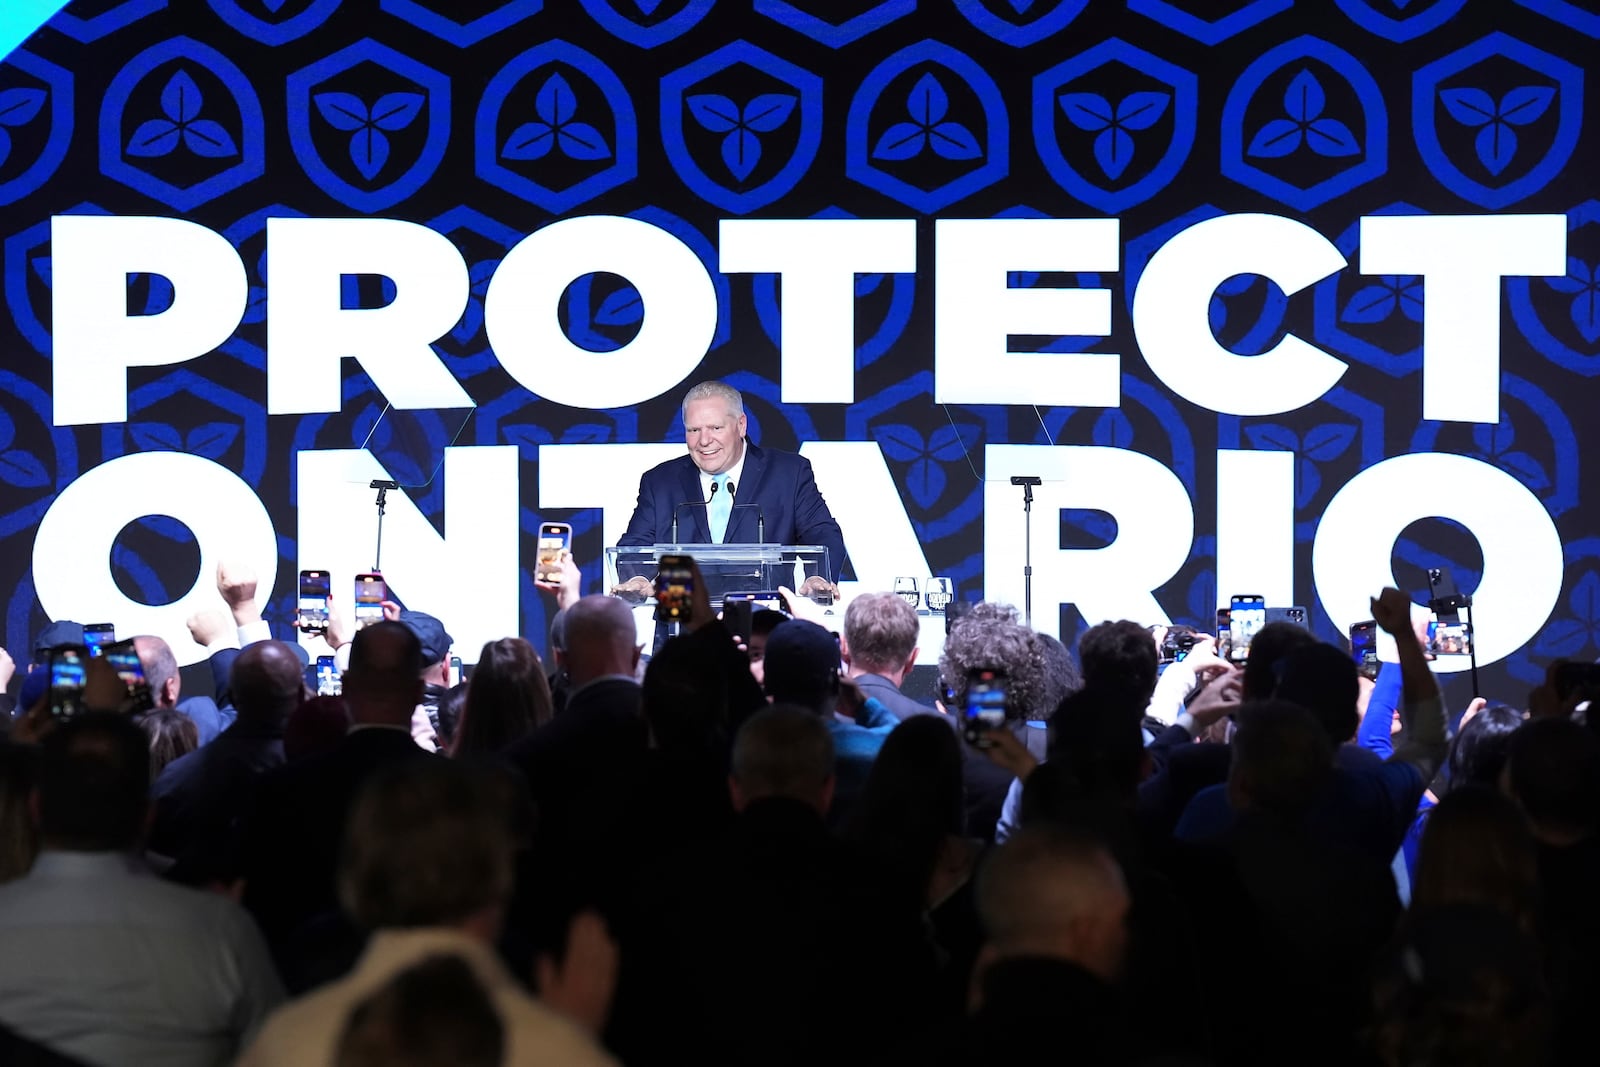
(715, 435)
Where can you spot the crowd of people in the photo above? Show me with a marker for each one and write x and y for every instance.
(761, 850)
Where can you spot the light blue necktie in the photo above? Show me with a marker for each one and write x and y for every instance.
(720, 508)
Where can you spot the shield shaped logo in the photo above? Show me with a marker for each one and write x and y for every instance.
(1305, 123)
(928, 111)
(1363, 316)
(353, 129)
(40, 97)
(737, 149)
(556, 127)
(1560, 316)
(1103, 143)
(1494, 136)
(190, 119)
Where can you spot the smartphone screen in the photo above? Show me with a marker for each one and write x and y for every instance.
(125, 661)
(328, 681)
(986, 705)
(1364, 647)
(674, 589)
(1247, 614)
(456, 672)
(1449, 638)
(738, 615)
(96, 635)
(554, 539)
(68, 672)
(315, 587)
(371, 592)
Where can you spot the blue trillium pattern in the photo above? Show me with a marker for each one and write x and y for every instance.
(181, 124)
(925, 476)
(1378, 302)
(368, 125)
(1496, 120)
(1305, 125)
(1582, 283)
(1496, 445)
(1114, 124)
(1320, 444)
(741, 148)
(556, 128)
(685, 113)
(18, 107)
(926, 105)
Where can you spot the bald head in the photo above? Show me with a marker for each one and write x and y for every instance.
(160, 669)
(1049, 894)
(381, 685)
(600, 639)
(267, 683)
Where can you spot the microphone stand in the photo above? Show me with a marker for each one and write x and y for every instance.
(1027, 481)
(383, 487)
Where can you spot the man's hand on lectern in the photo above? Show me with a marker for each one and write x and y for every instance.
(637, 589)
(818, 584)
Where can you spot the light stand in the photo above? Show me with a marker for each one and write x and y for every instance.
(1027, 481)
(383, 488)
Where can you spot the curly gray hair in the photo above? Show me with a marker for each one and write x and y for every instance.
(990, 637)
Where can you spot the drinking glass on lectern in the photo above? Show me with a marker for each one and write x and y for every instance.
(939, 593)
(906, 589)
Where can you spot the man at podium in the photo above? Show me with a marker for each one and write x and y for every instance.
(729, 491)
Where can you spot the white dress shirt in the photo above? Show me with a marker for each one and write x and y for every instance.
(105, 962)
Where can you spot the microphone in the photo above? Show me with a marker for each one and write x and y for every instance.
(761, 517)
(694, 504)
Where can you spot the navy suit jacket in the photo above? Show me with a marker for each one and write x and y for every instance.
(779, 483)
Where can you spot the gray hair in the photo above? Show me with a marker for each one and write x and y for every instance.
(881, 631)
(715, 390)
(989, 637)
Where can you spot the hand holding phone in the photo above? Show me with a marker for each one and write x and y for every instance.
(1247, 614)
(315, 589)
(555, 539)
(68, 676)
(97, 635)
(124, 659)
(675, 589)
(371, 592)
(986, 705)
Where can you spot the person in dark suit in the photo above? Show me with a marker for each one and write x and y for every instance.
(292, 837)
(789, 947)
(198, 796)
(573, 762)
(788, 508)
(880, 647)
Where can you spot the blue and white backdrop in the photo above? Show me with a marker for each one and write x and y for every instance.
(1276, 297)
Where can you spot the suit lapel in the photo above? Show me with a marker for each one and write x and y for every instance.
(692, 528)
(742, 523)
